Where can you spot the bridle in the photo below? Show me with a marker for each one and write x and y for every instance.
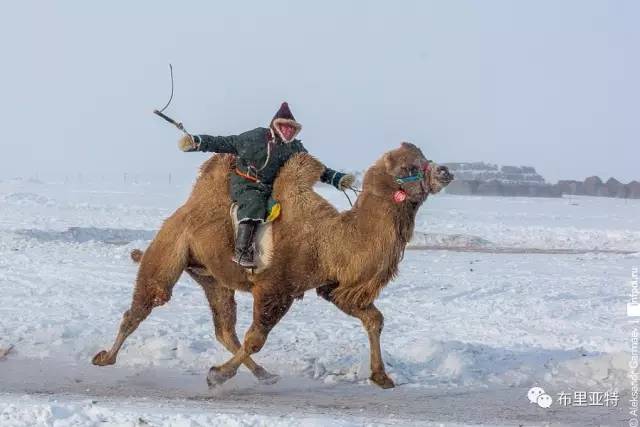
(419, 176)
(400, 195)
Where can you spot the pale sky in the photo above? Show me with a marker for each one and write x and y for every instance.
(552, 84)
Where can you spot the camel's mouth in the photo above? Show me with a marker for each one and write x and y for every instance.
(437, 178)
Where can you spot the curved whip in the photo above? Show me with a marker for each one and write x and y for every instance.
(160, 113)
(171, 97)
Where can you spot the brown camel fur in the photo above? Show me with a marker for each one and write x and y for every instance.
(348, 257)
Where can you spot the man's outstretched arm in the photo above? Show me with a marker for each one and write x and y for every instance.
(216, 144)
(340, 180)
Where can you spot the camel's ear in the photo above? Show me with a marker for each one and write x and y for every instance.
(405, 144)
(390, 162)
(413, 149)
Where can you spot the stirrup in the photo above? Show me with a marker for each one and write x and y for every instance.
(242, 262)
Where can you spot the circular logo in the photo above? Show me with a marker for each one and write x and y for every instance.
(537, 395)
(544, 400)
(534, 393)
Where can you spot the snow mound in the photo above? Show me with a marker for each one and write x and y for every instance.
(114, 236)
(27, 199)
(448, 240)
(603, 372)
(435, 364)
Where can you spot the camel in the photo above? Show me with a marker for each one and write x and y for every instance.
(348, 257)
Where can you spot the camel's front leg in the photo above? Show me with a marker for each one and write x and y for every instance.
(268, 309)
(373, 321)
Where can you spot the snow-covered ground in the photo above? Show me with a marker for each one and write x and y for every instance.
(466, 333)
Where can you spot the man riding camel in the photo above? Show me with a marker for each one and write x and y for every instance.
(260, 153)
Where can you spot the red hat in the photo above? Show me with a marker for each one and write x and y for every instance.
(284, 112)
(284, 116)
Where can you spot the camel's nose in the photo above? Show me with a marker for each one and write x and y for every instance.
(444, 174)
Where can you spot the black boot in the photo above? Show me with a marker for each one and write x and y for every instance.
(245, 250)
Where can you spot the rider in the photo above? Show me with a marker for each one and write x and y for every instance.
(260, 153)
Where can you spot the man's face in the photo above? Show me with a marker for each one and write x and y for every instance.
(287, 131)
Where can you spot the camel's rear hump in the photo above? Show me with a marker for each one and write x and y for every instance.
(164, 260)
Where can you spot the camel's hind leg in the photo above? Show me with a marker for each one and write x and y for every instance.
(373, 321)
(223, 309)
(139, 310)
(160, 269)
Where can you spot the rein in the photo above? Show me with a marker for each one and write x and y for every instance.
(355, 191)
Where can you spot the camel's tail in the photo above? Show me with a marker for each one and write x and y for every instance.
(136, 255)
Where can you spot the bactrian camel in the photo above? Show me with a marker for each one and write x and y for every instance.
(348, 257)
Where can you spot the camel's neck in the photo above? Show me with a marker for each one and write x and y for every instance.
(380, 230)
(396, 221)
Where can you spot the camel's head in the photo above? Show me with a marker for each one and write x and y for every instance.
(412, 176)
(438, 177)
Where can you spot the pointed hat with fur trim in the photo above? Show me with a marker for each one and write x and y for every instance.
(284, 116)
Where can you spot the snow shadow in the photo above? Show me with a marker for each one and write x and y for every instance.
(112, 236)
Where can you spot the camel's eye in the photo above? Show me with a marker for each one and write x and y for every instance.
(411, 170)
(405, 170)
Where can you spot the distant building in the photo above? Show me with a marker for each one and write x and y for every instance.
(485, 179)
(593, 186)
(492, 180)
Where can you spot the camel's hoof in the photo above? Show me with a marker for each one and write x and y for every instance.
(103, 359)
(218, 377)
(382, 380)
(268, 378)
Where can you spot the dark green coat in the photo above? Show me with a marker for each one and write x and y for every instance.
(261, 156)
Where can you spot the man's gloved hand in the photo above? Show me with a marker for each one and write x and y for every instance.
(346, 181)
(188, 143)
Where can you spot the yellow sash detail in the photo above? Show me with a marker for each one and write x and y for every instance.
(274, 212)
